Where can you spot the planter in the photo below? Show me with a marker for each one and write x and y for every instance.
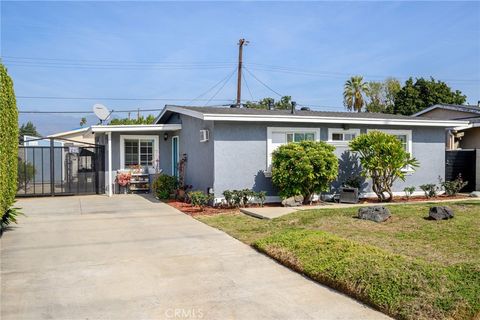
(348, 195)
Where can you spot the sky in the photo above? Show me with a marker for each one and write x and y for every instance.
(148, 54)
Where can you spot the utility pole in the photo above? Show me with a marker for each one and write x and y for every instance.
(241, 43)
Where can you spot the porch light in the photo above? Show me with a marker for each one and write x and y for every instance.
(165, 136)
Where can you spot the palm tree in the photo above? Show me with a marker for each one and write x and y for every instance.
(353, 94)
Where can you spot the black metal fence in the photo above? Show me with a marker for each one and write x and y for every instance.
(461, 162)
(48, 167)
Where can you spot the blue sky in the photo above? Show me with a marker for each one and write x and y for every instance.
(178, 50)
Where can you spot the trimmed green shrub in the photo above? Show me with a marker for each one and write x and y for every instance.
(452, 188)
(242, 198)
(199, 198)
(304, 168)
(409, 191)
(430, 190)
(384, 159)
(8, 142)
(164, 186)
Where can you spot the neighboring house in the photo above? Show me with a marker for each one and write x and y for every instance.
(230, 148)
(73, 137)
(460, 137)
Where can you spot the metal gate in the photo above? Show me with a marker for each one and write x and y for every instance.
(461, 162)
(50, 167)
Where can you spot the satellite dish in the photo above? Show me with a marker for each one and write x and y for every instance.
(101, 111)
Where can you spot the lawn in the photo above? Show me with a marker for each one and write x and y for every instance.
(407, 267)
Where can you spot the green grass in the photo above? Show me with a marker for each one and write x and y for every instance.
(408, 267)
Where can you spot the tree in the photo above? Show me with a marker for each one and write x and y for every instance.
(423, 93)
(354, 93)
(285, 103)
(140, 120)
(8, 147)
(383, 159)
(28, 129)
(83, 121)
(376, 96)
(391, 86)
(304, 168)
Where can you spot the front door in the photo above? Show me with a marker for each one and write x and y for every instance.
(175, 156)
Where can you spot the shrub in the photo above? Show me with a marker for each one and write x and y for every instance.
(304, 168)
(430, 190)
(199, 198)
(383, 158)
(8, 142)
(26, 172)
(9, 217)
(409, 191)
(243, 197)
(452, 188)
(164, 186)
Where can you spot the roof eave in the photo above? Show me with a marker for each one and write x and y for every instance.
(136, 128)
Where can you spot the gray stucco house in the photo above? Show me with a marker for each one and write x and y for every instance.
(230, 148)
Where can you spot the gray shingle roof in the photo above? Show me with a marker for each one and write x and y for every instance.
(249, 111)
(459, 107)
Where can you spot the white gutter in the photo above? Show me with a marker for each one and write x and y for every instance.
(136, 128)
(314, 119)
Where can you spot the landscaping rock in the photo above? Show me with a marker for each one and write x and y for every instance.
(375, 213)
(475, 194)
(440, 213)
(293, 201)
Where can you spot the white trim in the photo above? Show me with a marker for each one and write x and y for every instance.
(311, 119)
(178, 153)
(331, 131)
(137, 128)
(271, 130)
(110, 182)
(155, 150)
(66, 133)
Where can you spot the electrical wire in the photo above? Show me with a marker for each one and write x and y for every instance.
(263, 83)
(110, 98)
(220, 89)
(211, 88)
(248, 88)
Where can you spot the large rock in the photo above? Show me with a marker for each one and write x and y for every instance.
(475, 194)
(293, 201)
(440, 213)
(375, 213)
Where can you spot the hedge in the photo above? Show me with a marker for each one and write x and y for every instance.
(8, 141)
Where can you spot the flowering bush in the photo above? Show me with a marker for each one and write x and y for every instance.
(124, 178)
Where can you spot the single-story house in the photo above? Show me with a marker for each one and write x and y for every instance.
(230, 148)
(459, 137)
(73, 137)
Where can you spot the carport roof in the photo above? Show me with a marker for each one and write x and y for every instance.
(134, 128)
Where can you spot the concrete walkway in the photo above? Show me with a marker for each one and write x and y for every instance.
(130, 257)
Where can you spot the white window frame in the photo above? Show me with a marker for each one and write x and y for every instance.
(407, 133)
(271, 130)
(137, 137)
(332, 131)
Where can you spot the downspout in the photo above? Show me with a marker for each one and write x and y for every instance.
(110, 183)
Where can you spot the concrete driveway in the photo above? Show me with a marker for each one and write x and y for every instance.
(130, 257)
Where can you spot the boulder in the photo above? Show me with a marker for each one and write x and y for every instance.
(375, 213)
(475, 194)
(440, 213)
(293, 201)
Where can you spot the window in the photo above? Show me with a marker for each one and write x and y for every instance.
(279, 136)
(342, 136)
(138, 150)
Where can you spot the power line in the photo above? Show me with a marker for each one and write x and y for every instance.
(110, 98)
(220, 89)
(248, 88)
(263, 83)
(211, 88)
(114, 61)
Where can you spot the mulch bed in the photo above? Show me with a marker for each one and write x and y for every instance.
(187, 208)
(417, 198)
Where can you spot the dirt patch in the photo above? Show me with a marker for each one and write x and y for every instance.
(418, 198)
(187, 208)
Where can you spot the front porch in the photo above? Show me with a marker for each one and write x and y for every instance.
(144, 151)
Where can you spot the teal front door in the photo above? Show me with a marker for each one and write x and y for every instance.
(175, 156)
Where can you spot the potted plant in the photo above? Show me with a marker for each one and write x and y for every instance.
(123, 180)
